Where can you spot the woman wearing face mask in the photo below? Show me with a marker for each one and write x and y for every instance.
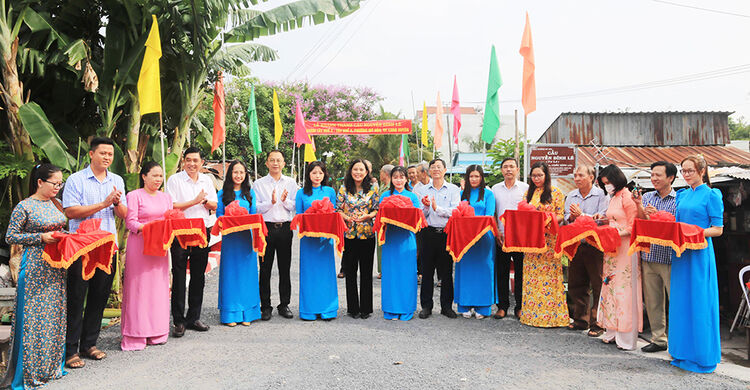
(239, 293)
(358, 204)
(38, 336)
(544, 302)
(475, 289)
(318, 292)
(620, 303)
(694, 341)
(145, 286)
(399, 282)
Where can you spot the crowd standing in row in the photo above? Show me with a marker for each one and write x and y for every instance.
(51, 329)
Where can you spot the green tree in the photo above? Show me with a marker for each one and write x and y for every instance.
(739, 129)
(501, 149)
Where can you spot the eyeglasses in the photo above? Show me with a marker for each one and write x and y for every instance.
(688, 171)
(56, 185)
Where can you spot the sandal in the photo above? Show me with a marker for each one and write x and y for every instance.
(74, 361)
(231, 324)
(574, 327)
(595, 332)
(245, 323)
(94, 353)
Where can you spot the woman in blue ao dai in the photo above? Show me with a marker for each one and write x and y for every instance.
(474, 286)
(239, 294)
(694, 341)
(399, 281)
(318, 291)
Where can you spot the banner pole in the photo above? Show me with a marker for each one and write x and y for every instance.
(163, 154)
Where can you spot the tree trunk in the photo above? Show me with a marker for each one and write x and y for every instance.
(132, 160)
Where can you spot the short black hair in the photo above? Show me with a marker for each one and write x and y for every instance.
(509, 159)
(670, 168)
(192, 149)
(436, 160)
(614, 176)
(274, 151)
(145, 169)
(96, 141)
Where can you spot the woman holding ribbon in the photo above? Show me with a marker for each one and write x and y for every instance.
(239, 294)
(145, 287)
(694, 341)
(39, 324)
(399, 281)
(358, 205)
(620, 301)
(474, 286)
(318, 292)
(544, 302)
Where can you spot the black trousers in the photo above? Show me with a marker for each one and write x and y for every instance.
(198, 260)
(434, 256)
(278, 241)
(358, 253)
(420, 248)
(502, 273)
(83, 328)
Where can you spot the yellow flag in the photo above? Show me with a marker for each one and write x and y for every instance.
(310, 151)
(277, 129)
(425, 138)
(149, 86)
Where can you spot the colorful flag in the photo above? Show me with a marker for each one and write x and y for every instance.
(437, 136)
(277, 129)
(252, 117)
(456, 111)
(149, 85)
(310, 151)
(425, 137)
(528, 98)
(300, 131)
(492, 104)
(403, 152)
(220, 127)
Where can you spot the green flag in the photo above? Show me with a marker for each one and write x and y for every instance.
(252, 117)
(492, 104)
(405, 140)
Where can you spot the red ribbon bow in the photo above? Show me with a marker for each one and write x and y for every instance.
(398, 201)
(662, 215)
(463, 210)
(320, 206)
(174, 214)
(234, 209)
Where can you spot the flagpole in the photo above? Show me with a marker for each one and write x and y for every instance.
(293, 177)
(224, 157)
(163, 155)
(516, 149)
(525, 146)
(255, 160)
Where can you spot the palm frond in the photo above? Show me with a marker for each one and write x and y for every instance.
(233, 58)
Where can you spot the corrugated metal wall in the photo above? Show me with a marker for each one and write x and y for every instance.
(640, 129)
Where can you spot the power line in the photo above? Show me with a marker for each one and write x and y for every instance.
(701, 8)
(348, 40)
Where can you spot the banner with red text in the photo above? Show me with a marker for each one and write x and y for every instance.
(359, 128)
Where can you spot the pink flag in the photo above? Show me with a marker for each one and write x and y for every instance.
(437, 135)
(456, 111)
(528, 92)
(220, 127)
(401, 153)
(300, 131)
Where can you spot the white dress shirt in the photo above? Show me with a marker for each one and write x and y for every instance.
(182, 189)
(507, 198)
(279, 211)
(446, 197)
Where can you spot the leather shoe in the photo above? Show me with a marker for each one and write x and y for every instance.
(179, 330)
(654, 348)
(265, 314)
(500, 314)
(353, 315)
(425, 313)
(198, 325)
(285, 312)
(365, 316)
(448, 313)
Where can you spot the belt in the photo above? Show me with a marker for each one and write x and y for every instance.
(435, 229)
(276, 225)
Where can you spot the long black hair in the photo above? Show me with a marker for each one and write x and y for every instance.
(349, 184)
(614, 176)
(228, 190)
(403, 171)
(466, 194)
(307, 190)
(41, 172)
(145, 169)
(547, 193)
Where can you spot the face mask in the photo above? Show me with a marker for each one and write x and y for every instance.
(609, 188)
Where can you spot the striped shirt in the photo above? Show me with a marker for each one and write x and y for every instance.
(660, 254)
(84, 189)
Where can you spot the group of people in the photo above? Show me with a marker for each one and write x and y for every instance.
(51, 328)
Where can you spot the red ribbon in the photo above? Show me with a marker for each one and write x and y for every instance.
(94, 246)
(238, 222)
(464, 231)
(604, 238)
(398, 210)
(677, 235)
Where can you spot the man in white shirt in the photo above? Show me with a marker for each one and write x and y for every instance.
(275, 195)
(194, 194)
(507, 195)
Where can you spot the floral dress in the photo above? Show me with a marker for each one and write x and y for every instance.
(39, 321)
(355, 205)
(544, 302)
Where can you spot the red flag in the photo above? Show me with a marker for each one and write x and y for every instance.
(456, 111)
(528, 98)
(219, 114)
(300, 131)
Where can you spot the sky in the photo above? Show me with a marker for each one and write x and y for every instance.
(586, 51)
